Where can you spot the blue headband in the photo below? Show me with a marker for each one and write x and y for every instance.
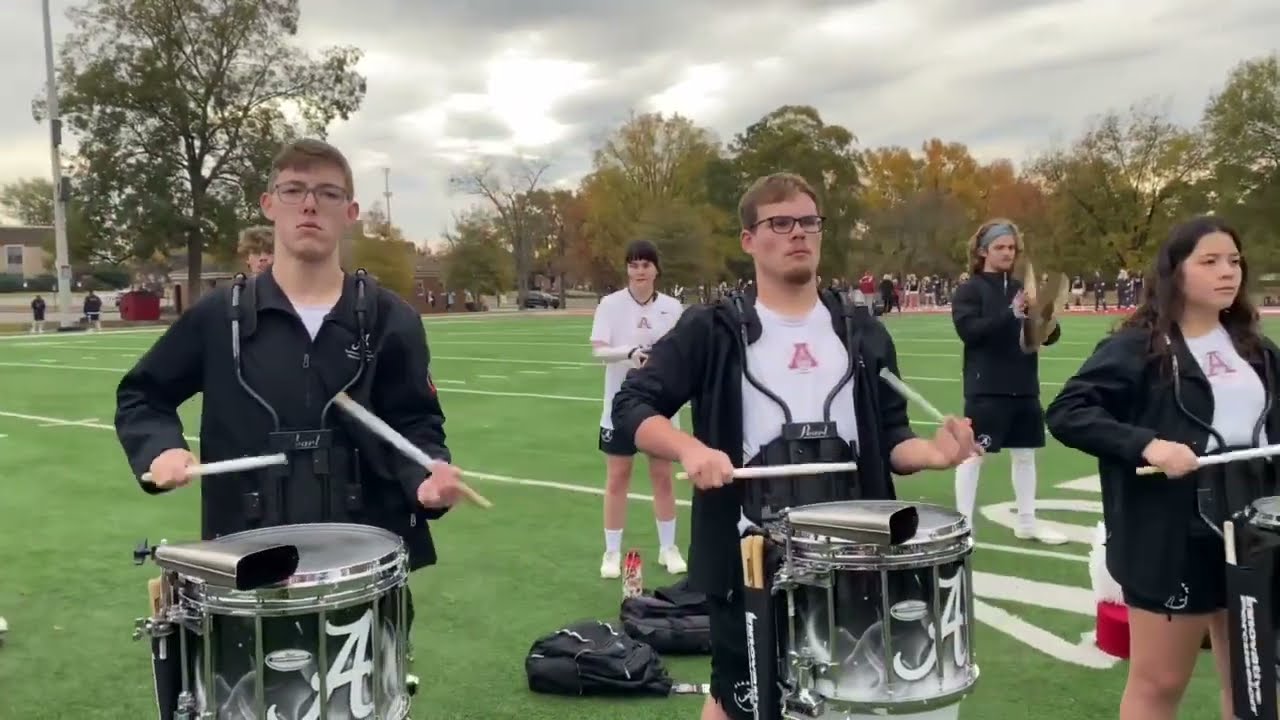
(993, 232)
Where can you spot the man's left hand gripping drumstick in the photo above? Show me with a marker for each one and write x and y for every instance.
(434, 490)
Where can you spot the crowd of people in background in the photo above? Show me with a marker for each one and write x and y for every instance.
(914, 292)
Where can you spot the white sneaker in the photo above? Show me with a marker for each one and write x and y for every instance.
(611, 565)
(1040, 534)
(670, 558)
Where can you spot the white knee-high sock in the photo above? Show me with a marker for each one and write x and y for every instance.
(1023, 461)
(967, 486)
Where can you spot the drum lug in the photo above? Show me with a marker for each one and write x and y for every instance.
(186, 706)
(804, 699)
(806, 702)
(151, 627)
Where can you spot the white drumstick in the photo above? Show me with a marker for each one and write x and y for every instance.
(230, 466)
(1246, 454)
(910, 393)
(401, 443)
(786, 470)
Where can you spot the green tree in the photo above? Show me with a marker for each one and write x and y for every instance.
(178, 107)
(476, 257)
(1242, 127)
(652, 166)
(1124, 183)
(30, 201)
(381, 249)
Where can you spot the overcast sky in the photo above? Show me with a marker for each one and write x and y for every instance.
(452, 80)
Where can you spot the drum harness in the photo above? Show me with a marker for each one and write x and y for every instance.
(318, 442)
(799, 442)
(1217, 496)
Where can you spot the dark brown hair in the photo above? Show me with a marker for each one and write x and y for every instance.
(775, 188)
(1163, 300)
(306, 153)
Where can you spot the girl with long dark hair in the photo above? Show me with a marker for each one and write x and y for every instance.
(1187, 374)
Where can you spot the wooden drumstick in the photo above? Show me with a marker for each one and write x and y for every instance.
(401, 443)
(1265, 451)
(786, 470)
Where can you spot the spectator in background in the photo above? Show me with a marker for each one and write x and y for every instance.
(37, 314)
(257, 249)
(93, 311)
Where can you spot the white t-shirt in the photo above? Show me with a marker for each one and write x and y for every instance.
(1238, 397)
(800, 360)
(313, 317)
(620, 321)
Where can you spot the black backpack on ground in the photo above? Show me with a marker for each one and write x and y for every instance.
(593, 658)
(673, 620)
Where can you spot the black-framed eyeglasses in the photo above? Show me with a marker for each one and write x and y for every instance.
(294, 193)
(785, 223)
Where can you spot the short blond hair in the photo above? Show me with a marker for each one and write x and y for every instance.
(258, 240)
(308, 152)
(775, 188)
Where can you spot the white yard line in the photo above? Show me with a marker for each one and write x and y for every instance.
(463, 391)
(88, 422)
(528, 482)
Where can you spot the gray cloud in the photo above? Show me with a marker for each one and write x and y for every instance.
(452, 81)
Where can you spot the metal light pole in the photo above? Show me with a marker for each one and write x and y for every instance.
(59, 192)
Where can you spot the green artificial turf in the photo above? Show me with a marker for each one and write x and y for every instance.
(522, 398)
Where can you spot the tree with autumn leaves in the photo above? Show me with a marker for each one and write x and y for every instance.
(1101, 202)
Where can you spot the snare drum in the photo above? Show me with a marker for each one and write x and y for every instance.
(329, 643)
(876, 629)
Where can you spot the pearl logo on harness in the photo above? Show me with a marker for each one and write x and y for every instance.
(952, 621)
(351, 667)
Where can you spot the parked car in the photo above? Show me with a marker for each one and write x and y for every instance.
(539, 299)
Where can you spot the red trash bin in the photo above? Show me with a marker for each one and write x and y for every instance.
(139, 306)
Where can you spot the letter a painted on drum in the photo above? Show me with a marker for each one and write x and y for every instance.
(352, 665)
(952, 621)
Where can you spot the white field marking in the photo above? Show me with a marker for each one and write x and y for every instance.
(533, 372)
(1005, 515)
(568, 487)
(139, 349)
(1084, 653)
(493, 377)
(957, 356)
(86, 422)
(88, 357)
(448, 382)
(1089, 483)
(47, 360)
(954, 340)
(462, 391)
(55, 336)
(517, 361)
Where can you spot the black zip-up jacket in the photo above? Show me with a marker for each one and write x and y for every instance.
(297, 377)
(1116, 404)
(994, 363)
(699, 361)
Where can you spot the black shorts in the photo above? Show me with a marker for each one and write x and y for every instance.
(613, 442)
(1006, 421)
(730, 668)
(1202, 588)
